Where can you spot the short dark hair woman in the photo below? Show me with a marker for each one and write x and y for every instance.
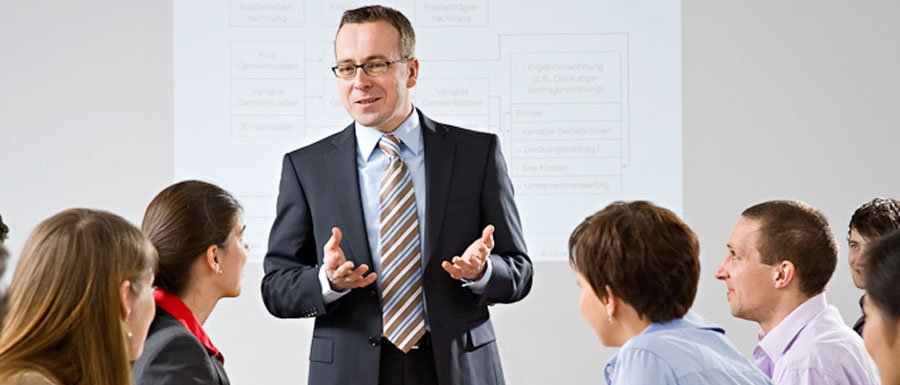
(638, 267)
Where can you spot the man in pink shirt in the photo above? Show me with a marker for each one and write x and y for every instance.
(781, 255)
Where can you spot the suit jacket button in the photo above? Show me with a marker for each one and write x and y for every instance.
(374, 341)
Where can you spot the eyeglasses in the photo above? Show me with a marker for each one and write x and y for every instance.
(371, 68)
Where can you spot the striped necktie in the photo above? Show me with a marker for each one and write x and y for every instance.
(403, 310)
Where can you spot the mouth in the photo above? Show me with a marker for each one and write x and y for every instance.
(729, 293)
(366, 101)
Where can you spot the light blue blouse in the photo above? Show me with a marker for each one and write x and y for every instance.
(689, 350)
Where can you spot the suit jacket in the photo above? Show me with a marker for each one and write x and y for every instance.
(467, 189)
(174, 356)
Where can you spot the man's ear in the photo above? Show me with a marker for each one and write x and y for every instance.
(783, 274)
(413, 66)
(125, 298)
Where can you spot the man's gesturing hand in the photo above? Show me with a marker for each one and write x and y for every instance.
(339, 271)
(470, 266)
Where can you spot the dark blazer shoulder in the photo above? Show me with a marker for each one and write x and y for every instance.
(325, 144)
(172, 355)
(443, 129)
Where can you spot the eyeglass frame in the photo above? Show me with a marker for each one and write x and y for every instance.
(363, 66)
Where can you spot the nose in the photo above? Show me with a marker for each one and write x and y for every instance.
(361, 80)
(854, 257)
(721, 273)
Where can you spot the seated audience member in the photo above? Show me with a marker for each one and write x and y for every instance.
(198, 230)
(4, 233)
(882, 304)
(80, 302)
(868, 223)
(4, 255)
(638, 267)
(781, 255)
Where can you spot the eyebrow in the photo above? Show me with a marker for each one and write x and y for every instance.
(367, 59)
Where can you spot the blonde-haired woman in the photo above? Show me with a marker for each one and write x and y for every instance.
(80, 302)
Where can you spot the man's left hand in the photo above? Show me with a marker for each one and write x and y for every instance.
(471, 264)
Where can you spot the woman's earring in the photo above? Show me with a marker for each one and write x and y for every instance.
(220, 271)
(609, 318)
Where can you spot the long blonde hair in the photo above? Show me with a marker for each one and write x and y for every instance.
(64, 317)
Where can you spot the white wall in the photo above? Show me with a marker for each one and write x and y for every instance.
(787, 99)
(781, 100)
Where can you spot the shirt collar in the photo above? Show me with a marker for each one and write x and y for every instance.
(780, 339)
(408, 132)
(174, 306)
(691, 320)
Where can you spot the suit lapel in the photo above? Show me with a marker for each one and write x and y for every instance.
(340, 165)
(439, 157)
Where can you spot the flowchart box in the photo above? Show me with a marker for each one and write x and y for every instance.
(266, 126)
(267, 97)
(579, 185)
(566, 130)
(568, 112)
(453, 13)
(565, 167)
(579, 77)
(267, 60)
(567, 149)
(450, 97)
(266, 13)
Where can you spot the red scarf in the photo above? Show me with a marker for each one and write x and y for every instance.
(174, 306)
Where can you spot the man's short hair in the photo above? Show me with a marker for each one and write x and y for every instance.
(882, 275)
(876, 218)
(373, 13)
(796, 232)
(644, 253)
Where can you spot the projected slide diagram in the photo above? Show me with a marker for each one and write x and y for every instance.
(563, 103)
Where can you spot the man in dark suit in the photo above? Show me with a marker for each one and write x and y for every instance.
(397, 232)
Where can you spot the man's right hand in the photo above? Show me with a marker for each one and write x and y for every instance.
(339, 271)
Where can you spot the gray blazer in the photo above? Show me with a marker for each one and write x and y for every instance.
(468, 188)
(173, 356)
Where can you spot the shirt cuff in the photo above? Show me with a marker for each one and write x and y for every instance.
(478, 286)
(329, 295)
